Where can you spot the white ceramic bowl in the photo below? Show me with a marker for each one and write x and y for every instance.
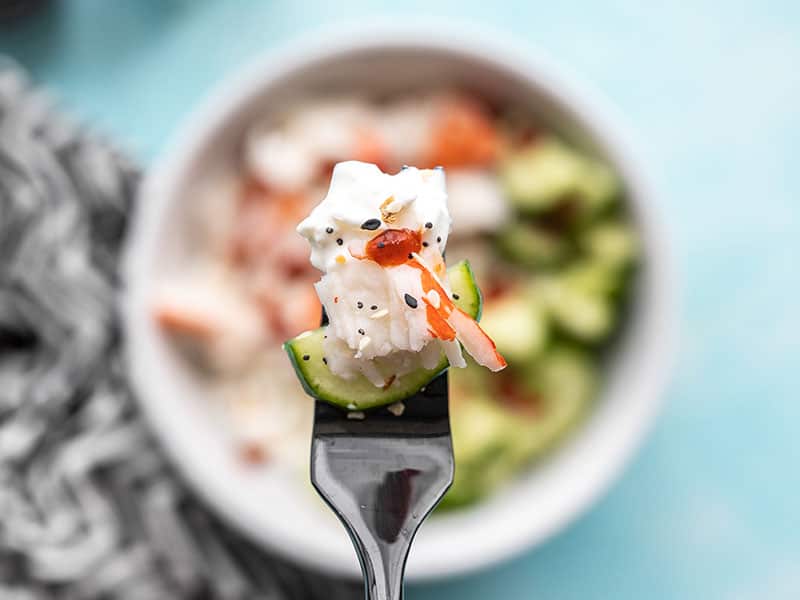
(273, 506)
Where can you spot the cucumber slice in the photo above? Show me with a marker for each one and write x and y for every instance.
(478, 427)
(518, 327)
(481, 430)
(305, 353)
(466, 293)
(531, 246)
(612, 243)
(541, 175)
(593, 277)
(491, 442)
(597, 188)
(586, 316)
(565, 380)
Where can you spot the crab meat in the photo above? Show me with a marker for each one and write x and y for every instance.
(474, 339)
(447, 322)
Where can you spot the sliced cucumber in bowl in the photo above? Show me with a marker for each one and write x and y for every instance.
(518, 325)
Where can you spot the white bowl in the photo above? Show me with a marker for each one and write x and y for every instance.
(272, 505)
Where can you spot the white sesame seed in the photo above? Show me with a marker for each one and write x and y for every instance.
(356, 415)
(397, 409)
(365, 341)
(380, 314)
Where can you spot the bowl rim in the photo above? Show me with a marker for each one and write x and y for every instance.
(524, 62)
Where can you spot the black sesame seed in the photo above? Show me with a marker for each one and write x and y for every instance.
(329, 230)
(410, 256)
(439, 240)
(325, 360)
(429, 225)
(404, 167)
(371, 224)
(374, 307)
(381, 245)
(425, 244)
(339, 241)
(306, 357)
(360, 304)
(456, 296)
(361, 331)
(410, 300)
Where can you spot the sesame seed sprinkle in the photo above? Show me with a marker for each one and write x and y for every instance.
(360, 304)
(306, 357)
(365, 341)
(397, 409)
(329, 230)
(339, 241)
(429, 225)
(371, 224)
(410, 300)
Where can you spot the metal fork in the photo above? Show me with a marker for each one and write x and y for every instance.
(382, 476)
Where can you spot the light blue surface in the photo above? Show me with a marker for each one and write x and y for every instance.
(711, 506)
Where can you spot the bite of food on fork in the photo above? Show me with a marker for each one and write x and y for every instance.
(395, 318)
(397, 315)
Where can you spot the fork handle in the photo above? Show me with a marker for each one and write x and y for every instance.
(383, 566)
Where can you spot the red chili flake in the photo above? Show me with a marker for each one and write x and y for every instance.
(389, 382)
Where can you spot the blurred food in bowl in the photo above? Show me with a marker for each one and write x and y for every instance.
(544, 226)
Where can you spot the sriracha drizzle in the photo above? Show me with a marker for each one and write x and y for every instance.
(392, 247)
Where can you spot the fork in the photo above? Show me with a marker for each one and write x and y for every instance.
(382, 476)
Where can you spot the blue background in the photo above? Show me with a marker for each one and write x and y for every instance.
(711, 506)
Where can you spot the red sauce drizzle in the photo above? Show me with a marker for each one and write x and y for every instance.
(391, 247)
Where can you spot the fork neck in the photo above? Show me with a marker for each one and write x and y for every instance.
(382, 565)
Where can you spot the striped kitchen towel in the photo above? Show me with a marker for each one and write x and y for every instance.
(89, 508)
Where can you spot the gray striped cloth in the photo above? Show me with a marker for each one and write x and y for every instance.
(88, 506)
